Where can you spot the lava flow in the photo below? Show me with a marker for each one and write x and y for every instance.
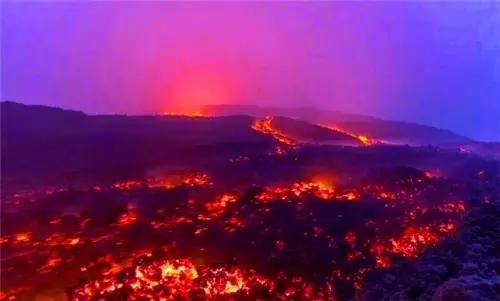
(172, 279)
(265, 126)
(195, 113)
(363, 139)
(200, 239)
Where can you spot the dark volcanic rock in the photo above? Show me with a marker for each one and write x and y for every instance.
(451, 291)
(465, 267)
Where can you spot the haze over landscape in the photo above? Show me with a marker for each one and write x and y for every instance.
(242, 151)
(431, 63)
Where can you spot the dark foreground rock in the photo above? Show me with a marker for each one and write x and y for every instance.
(465, 267)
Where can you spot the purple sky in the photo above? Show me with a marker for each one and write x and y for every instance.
(432, 63)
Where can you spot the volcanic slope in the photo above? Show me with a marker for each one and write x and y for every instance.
(396, 132)
(307, 223)
(42, 139)
(292, 131)
(39, 139)
(203, 239)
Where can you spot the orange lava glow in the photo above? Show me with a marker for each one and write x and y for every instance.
(219, 205)
(180, 279)
(411, 243)
(265, 126)
(189, 179)
(198, 178)
(78, 242)
(297, 189)
(362, 138)
(195, 113)
(127, 218)
(174, 279)
(23, 237)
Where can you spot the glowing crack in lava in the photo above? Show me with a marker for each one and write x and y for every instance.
(195, 113)
(297, 189)
(172, 280)
(363, 139)
(180, 279)
(265, 126)
(232, 234)
(411, 243)
(189, 179)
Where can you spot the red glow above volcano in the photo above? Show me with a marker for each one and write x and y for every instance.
(192, 90)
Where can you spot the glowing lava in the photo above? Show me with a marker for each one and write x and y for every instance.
(363, 139)
(195, 113)
(214, 222)
(265, 126)
(172, 280)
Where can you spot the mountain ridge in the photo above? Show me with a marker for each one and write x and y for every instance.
(381, 129)
(401, 132)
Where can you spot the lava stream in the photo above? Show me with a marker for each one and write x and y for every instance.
(265, 126)
(363, 139)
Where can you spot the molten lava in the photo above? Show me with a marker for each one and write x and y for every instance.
(363, 139)
(299, 240)
(189, 179)
(265, 126)
(195, 113)
(172, 280)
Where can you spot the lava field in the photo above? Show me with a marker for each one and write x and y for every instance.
(195, 238)
(303, 221)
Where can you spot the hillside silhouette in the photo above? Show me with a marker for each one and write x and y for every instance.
(396, 131)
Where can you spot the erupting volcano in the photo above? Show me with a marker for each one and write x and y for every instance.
(274, 151)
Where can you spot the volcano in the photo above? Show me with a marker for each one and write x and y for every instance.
(239, 207)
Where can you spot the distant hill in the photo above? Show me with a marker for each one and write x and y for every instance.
(391, 131)
(306, 132)
(41, 139)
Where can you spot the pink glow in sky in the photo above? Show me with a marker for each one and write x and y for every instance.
(432, 63)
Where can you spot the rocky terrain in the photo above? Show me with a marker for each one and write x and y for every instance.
(464, 267)
(193, 207)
